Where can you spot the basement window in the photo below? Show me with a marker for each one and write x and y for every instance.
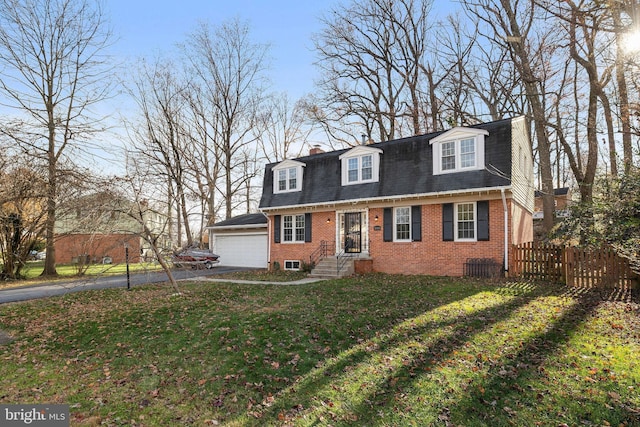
(293, 265)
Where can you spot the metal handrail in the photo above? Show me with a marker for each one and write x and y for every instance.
(341, 260)
(320, 252)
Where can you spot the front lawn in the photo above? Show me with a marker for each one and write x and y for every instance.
(374, 350)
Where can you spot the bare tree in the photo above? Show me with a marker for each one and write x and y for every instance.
(456, 85)
(371, 55)
(22, 214)
(623, 15)
(160, 139)
(284, 130)
(513, 23)
(53, 72)
(493, 92)
(587, 43)
(229, 68)
(583, 30)
(138, 187)
(204, 159)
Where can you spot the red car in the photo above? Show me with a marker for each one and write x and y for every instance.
(196, 258)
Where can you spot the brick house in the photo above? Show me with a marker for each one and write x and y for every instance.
(96, 228)
(426, 204)
(562, 203)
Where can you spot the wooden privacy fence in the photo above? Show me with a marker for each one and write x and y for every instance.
(571, 265)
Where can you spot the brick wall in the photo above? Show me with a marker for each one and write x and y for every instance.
(97, 246)
(522, 225)
(322, 230)
(431, 256)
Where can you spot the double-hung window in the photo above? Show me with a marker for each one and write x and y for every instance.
(448, 155)
(293, 228)
(467, 153)
(458, 155)
(360, 169)
(465, 221)
(287, 179)
(402, 224)
(458, 150)
(360, 165)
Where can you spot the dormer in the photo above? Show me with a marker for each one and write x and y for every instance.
(287, 176)
(360, 165)
(458, 149)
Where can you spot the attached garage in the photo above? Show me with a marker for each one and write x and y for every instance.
(241, 241)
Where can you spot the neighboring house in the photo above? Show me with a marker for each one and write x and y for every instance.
(562, 201)
(241, 241)
(96, 228)
(426, 204)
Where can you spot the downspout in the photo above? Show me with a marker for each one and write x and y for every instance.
(506, 232)
(268, 241)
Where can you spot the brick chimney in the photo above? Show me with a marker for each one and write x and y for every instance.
(315, 150)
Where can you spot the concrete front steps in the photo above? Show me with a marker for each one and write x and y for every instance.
(328, 267)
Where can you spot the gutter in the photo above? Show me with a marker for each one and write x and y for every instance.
(266, 215)
(236, 227)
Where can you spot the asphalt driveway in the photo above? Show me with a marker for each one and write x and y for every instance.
(64, 287)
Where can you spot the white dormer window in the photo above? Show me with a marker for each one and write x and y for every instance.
(287, 176)
(457, 150)
(360, 165)
(288, 179)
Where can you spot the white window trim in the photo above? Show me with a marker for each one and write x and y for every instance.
(475, 222)
(457, 135)
(286, 165)
(357, 153)
(293, 230)
(395, 224)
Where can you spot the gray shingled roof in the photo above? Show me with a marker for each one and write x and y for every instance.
(556, 192)
(255, 219)
(406, 168)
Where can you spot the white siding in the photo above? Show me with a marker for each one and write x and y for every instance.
(522, 164)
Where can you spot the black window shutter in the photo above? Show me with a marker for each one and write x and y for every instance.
(416, 223)
(447, 222)
(483, 220)
(387, 224)
(307, 227)
(276, 229)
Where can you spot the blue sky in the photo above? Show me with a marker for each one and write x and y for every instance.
(146, 28)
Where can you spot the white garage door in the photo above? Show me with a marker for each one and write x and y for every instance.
(242, 250)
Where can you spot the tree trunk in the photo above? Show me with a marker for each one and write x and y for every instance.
(623, 94)
(228, 189)
(532, 90)
(613, 155)
(50, 257)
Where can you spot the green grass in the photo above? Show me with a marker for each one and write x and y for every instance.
(373, 350)
(266, 275)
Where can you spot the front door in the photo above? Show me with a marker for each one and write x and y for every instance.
(353, 232)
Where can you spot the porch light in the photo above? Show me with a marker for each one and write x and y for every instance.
(376, 218)
(328, 220)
